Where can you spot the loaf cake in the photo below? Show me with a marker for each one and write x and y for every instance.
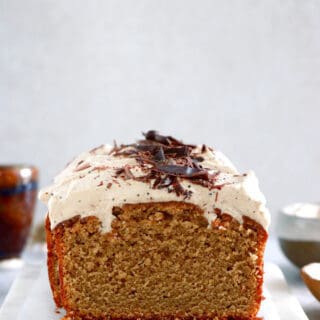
(157, 229)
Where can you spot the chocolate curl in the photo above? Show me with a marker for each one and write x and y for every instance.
(166, 161)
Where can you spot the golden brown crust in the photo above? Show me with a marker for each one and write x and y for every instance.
(52, 263)
(160, 317)
(56, 254)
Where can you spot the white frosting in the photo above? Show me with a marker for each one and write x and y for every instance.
(89, 186)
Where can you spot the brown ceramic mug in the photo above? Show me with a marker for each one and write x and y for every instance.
(18, 193)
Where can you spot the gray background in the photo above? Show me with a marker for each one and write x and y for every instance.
(243, 76)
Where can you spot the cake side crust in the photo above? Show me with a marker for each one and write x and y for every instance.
(52, 264)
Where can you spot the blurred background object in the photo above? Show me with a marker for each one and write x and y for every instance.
(18, 194)
(39, 234)
(311, 276)
(298, 229)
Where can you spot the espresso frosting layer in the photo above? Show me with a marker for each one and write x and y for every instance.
(156, 169)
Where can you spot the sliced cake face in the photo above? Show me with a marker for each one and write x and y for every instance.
(156, 230)
(160, 261)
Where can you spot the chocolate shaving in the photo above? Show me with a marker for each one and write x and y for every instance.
(95, 149)
(159, 155)
(146, 147)
(99, 168)
(166, 161)
(156, 182)
(153, 135)
(82, 166)
(165, 182)
(125, 172)
(182, 151)
(219, 186)
(177, 187)
(182, 171)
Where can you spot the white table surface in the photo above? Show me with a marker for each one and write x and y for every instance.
(273, 254)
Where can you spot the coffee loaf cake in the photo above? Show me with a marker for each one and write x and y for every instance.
(156, 229)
